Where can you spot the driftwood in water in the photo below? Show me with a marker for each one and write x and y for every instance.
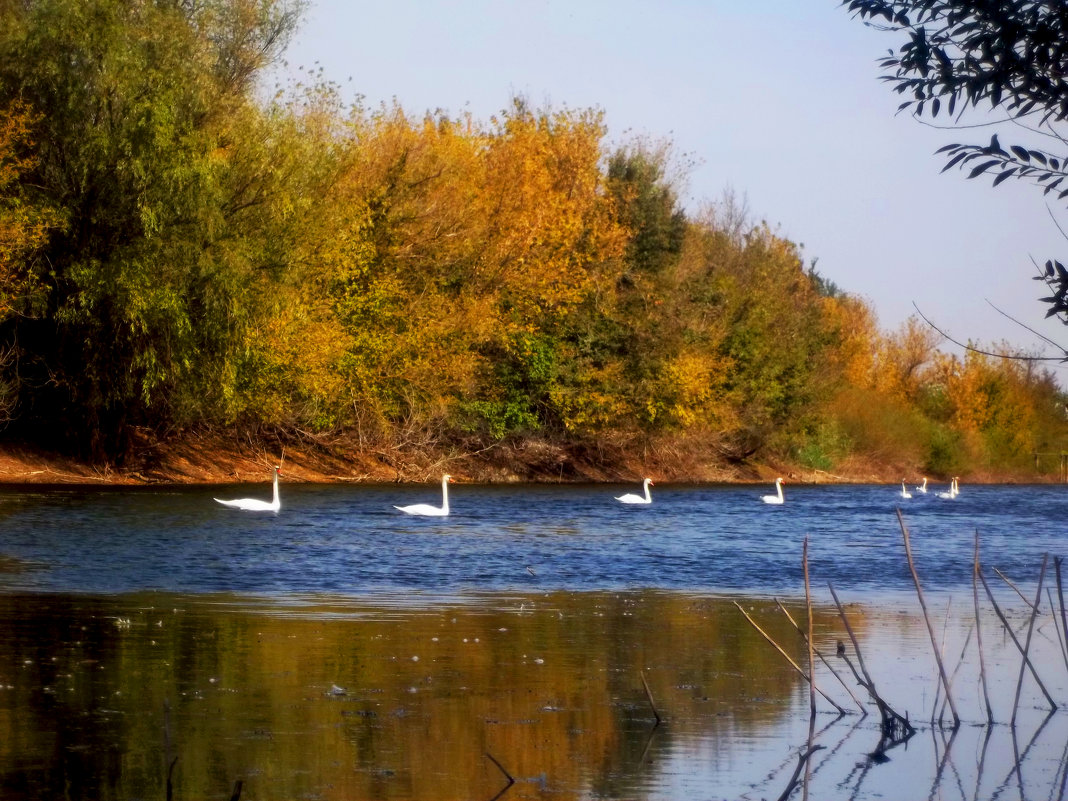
(927, 619)
(788, 658)
(892, 721)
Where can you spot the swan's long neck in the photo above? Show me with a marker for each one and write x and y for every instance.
(445, 494)
(648, 497)
(276, 486)
(778, 488)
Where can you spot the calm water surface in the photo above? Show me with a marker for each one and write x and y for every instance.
(340, 650)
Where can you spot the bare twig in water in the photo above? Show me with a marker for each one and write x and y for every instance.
(787, 657)
(1023, 597)
(1057, 625)
(822, 658)
(1064, 619)
(811, 672)
(979, 632)
(1030, 631)
(649, 695)
(953, 675)
(507, 776)
(927, 619)
(1015, 641)
(891, 719)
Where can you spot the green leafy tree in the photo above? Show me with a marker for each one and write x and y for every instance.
(144, 112)
(1006, 56)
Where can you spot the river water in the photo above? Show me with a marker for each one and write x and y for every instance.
(338, 649)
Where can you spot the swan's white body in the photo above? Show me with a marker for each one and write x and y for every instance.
(923, 487)
(630, 497)
(426, 509)
(904, 490)
(255, 504)
(775, 499)
(953, 491)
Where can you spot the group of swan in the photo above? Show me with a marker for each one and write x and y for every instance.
(429, 510)
(952, 492)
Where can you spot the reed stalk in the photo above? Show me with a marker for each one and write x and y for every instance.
(1015, 641)
(787, 657)
(927, 619)
(891, 719)
(823, 659)
(979, 633)
(1030, 631)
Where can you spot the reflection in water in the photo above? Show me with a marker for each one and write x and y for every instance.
(327, 698)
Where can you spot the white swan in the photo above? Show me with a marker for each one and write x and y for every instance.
(255, 504)
(952, 492)
(776, 499)
(425, 509)
(923, 487)
(904, 490)
(630, 497)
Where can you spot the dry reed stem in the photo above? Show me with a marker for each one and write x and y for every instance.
(1030, 631)
(1015, 641)
(979, 633)
(1023, 597)
(1057, 625)
(927, 619)
(649, 695)
(889, 716)
(1060, 595)
(787, 657)
(823, 659)
(811, 671)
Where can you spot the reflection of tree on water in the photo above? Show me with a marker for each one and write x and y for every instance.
(554, 693)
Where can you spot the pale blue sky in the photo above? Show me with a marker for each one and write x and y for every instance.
(777, 100)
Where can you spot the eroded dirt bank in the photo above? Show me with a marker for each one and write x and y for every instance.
(230, 458)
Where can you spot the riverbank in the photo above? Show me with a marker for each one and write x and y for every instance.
(214, 458)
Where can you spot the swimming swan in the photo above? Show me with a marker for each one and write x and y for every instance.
(255, 504)
(904, 490)
(953, 491)
(425, 509)
(776, 499)
(630, 497)
(923, 487)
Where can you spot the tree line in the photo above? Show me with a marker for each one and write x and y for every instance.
(179, 252)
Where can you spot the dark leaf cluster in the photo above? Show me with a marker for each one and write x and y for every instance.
(1009, 56)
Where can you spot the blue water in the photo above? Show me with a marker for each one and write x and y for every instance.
(349, 540)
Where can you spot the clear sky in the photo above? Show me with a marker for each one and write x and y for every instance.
(778, 101)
